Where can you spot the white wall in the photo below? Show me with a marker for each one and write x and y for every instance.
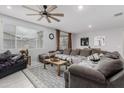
(114, 40)
(47, 43)
(1, 33)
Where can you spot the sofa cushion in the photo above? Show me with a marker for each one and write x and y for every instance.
(108, 69)
(67, 51)
(13, 55)
(16, 58)
(85, 52)
(105, 59)
(78, 59)
(113, 55)
(7, 52)
(75, 52)
(65, 57)
(104, 52)
(5, 56)
(86, 72)
(88, 63)
(5, 65)
(96, 50)
(59, 55)
(62, 56)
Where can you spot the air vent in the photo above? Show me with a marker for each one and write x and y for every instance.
(118, 14)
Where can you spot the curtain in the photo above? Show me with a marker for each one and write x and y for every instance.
(57, 39)
(69, 40)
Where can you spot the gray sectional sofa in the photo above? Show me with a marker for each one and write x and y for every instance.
(77, 55)
(91, 68)
(85, 73)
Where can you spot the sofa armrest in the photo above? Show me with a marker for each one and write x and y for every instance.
(86, 72)
(118, 76)
(66, 77)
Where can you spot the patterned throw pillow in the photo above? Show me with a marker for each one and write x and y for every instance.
(94, 57)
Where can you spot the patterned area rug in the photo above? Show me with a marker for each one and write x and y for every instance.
(46, 77)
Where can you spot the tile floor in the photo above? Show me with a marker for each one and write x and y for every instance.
(16, 80)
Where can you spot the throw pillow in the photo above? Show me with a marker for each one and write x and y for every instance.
(16, 58)
(67, 51)
(101, 55)
(5, 56)
(85, 52)
(94, 57)
(90, 57)
(113, 55)
(108, 69)
(74, 52)
(76, 60)
(96, 50)
(7, 52)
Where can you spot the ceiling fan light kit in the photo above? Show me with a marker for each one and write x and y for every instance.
(45, 12)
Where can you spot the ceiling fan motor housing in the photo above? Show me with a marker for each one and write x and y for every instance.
(45, 12)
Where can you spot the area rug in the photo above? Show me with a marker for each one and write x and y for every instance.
(46, 77)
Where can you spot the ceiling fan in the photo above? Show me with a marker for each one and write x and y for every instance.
(45, 12)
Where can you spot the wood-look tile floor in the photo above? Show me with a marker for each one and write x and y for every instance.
(16, 80)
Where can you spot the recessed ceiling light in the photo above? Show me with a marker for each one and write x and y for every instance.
(90, 26)
(80, 7)
(8, 7)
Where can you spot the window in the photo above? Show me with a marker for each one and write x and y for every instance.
(40, 39)
(26, 38)
(63, 40)
(21, 37)
(9, 35)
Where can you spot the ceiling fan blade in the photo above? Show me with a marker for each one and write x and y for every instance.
(54, 18)
(40, 18)
(40, 7)
(30, 8)
(56, 14)
(51, 8)
(48, 19)
(32, 14)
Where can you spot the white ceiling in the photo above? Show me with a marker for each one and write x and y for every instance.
(74, 20)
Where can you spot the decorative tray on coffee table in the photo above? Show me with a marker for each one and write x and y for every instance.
(95, 61)
(55, 59)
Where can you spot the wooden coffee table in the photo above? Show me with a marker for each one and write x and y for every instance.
(58, 64)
